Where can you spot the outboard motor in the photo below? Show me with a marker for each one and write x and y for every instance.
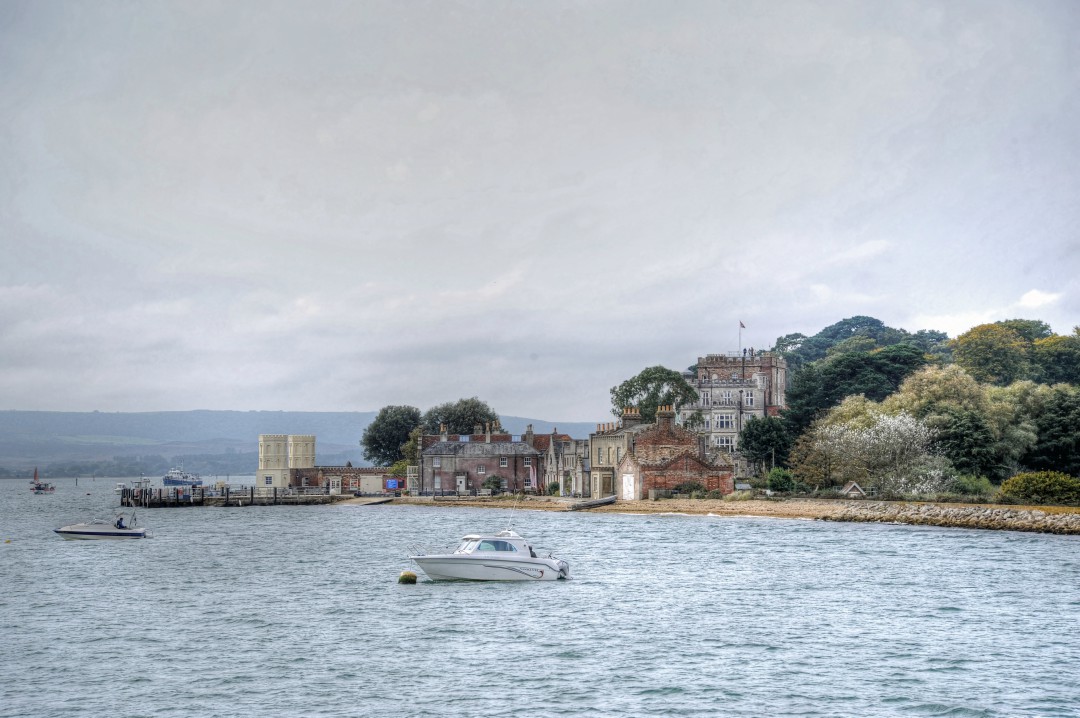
(564, 568)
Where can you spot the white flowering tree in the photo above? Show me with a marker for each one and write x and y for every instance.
(891, 452)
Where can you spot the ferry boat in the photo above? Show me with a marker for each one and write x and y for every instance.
(179, 477)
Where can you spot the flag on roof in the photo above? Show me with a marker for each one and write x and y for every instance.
(741, 325)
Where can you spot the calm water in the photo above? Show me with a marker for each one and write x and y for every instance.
(296, 611)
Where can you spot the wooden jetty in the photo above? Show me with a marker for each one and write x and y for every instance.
(184, 496)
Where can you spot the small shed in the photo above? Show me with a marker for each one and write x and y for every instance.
(852, 490)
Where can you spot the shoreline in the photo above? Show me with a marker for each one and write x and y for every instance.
(1038, 519)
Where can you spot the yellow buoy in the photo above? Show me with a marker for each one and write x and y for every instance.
(407, 577)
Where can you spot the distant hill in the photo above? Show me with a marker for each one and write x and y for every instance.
(207, 441)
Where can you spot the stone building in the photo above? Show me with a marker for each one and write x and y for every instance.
(664, 455)
(733, 388)
(607, 447)
(280, 453)
(288, 461)
(564, 461)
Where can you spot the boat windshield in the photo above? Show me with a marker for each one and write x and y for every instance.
(467, 546)
(495, 545)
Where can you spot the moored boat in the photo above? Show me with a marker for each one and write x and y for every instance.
(101, 529)
(591, 503)
(504, 556)
(40, 487)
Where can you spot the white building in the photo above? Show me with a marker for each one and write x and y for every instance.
(280, 452)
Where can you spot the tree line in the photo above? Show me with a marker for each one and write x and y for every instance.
(918, 414)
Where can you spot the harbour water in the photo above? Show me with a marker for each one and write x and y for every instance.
(296, 611)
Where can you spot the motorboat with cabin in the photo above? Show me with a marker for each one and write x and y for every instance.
(504, 556)
(102, 529)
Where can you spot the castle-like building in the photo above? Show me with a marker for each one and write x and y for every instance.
(732, 389)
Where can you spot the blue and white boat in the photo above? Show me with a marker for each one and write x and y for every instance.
(179, 477)
(101, 529)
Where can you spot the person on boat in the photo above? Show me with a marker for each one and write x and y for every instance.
(120, 522)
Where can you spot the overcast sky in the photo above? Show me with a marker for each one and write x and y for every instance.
(338, 206)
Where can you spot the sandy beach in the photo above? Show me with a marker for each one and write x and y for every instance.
(777, 508)
(1038, 519)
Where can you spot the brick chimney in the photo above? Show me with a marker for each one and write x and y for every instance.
(665, 417)
(528, 435)
(631, 416)
(442, 431)
(487, 432)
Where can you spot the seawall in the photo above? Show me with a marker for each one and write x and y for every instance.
(972, 517)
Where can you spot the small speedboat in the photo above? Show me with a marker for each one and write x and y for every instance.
(504, 556)
(102, 529)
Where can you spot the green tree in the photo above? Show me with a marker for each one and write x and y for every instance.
(824, 384)
(781, 480)
(1057, 447)
(460, 417)
(993, 353)
(654, 387)
(766, 441)
(389, 430)
(965, 439)
(1058, 358)
(1031, 330)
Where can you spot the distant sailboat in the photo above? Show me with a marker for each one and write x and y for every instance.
(40, 487)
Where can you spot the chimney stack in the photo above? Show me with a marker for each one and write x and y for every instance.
(442, 431)
(665, 417)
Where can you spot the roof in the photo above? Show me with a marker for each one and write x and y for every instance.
(475, 448)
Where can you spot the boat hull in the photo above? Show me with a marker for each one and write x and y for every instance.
(454, 567)
(92, 532)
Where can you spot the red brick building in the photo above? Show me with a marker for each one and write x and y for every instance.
(347, 479)
(665, 455)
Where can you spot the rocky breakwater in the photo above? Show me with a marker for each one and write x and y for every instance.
(973, 517)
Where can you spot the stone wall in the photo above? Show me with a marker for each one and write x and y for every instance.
(974, 517)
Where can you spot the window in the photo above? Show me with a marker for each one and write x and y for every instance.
(749, 399)
(481, 469)
(725, 421)
(494, 545)
(503, 462)
(724, 442)
(436, 461)
(725, 398)
(704, 398)
(599, 456)
(528, 461)
(706, 425)
(268, 480)
(528, 482)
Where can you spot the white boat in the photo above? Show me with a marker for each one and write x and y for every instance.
(504, 556)
(102, 529)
